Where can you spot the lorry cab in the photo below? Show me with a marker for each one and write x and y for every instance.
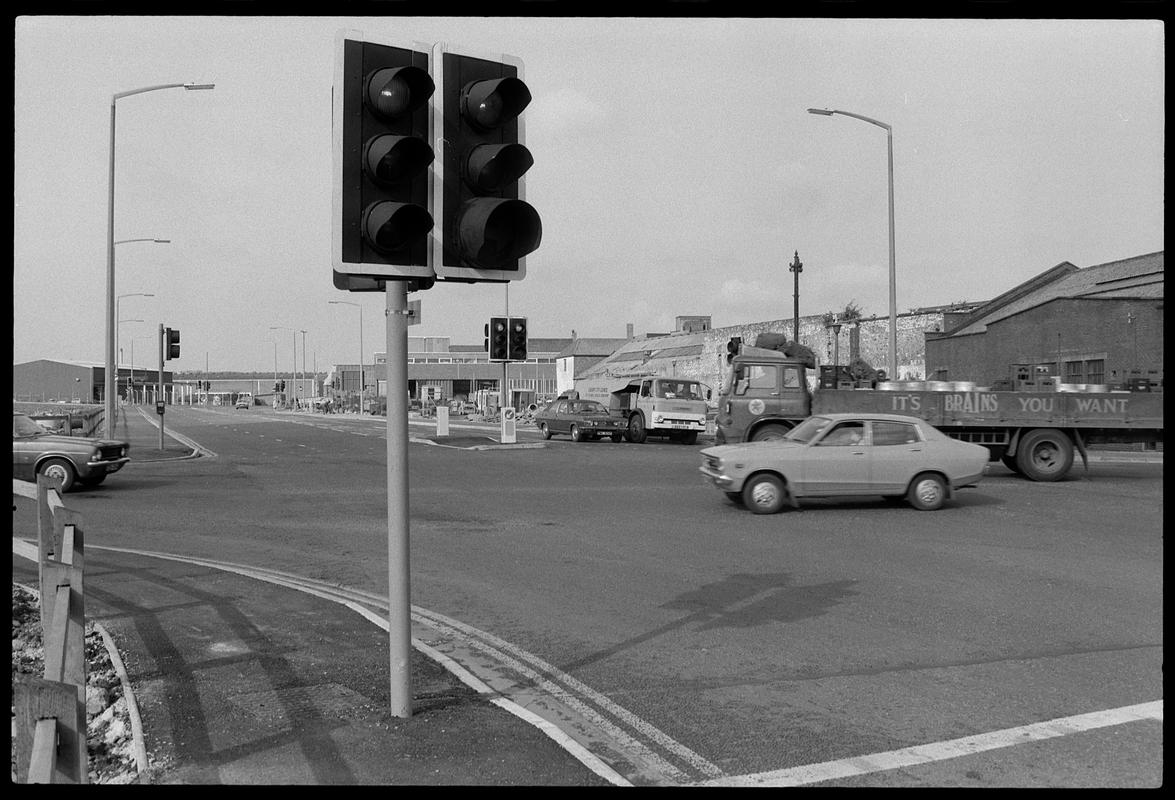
(763, 395)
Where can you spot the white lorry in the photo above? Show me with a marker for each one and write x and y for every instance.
(654, 405)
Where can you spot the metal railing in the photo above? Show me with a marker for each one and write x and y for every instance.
(49, 723)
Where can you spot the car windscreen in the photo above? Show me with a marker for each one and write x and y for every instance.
(807, 430)
(23, 426)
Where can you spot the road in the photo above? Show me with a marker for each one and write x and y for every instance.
(725, 647)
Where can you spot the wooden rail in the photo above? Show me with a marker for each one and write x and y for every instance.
(50, 712)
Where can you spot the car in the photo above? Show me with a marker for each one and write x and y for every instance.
(74, 460)
(245, 401)
(582, 420)
(833, 455)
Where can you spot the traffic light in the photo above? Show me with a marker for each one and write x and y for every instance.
(499, 339)
(732, 348)
(517, 338)
(486, 226)
(283, 384)
(171, 343)
(381, 136)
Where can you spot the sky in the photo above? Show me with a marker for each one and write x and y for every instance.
(677, 172)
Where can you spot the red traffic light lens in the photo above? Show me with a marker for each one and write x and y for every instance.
(390, 226)
(396, 91)
(392, 159)
(492, 233)
(489, 167)
(489, 104)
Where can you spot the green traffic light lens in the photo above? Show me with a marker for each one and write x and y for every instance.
(393, 92)
(390, 227)
(490, 104)
(493, 233)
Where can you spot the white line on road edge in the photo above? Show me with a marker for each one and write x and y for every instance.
(941, 751)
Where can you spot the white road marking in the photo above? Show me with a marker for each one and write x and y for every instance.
(941, 751)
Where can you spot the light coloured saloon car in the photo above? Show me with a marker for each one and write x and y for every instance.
(832, 455)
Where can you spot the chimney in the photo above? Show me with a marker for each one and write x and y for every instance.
(628, 330)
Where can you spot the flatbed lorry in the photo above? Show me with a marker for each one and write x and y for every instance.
(1035, 434)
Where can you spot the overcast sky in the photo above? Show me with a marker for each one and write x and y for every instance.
(676, 172)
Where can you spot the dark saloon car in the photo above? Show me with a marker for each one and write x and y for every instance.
(74, 460)
(582, 420)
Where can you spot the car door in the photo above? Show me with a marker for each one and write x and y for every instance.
(898, 453)
(838, 463)
(562, 423)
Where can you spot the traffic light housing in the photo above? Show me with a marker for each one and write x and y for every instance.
(171, 343)
(486, 226)
(732, 348)
(517, 339)
(382, 153)
(498, 340)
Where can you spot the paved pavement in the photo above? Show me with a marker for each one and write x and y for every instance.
(242, 681)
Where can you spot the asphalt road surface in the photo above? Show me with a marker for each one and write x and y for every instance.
(855, 641)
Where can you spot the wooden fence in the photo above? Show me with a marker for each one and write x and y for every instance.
(49, 723)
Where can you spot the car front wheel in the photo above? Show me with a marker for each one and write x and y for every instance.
(576, 436)
(764, 494)
(927, 492)
(60, 469)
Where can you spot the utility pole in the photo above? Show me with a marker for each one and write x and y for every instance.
(796, 268)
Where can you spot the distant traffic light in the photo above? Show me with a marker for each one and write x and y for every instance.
(499, 339)
(382, 154)
(732, 348)
(486, 226)
(517, 337)
(171, 343)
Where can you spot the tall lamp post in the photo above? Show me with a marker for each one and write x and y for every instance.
(893, 292)
(796, 268)
(108, 421)
(361, 381)
(118, 306)
(303, 362)
(293, 375)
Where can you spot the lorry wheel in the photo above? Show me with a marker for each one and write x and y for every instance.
(60, 469)
(636, 429)
(576, 436)
(927, 492)
(769, 433)
(544, 430)
(1044, 455)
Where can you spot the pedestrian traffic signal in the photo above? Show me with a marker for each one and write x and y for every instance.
(486, 226)
(171, 343)
(517, 338)
(499, 339)
(381, 119)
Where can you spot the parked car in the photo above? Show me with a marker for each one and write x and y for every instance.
(73, 460)
(245, 401)
(833, 455)
(583, 420)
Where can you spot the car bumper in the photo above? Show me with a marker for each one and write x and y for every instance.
(969, 481)
(719, 479)
(105, 467)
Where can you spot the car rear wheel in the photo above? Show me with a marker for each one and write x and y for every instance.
(544, 430)
(927, 492)
(60, 469)
(764, 494)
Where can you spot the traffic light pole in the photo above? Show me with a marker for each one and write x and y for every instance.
(399, 594)
(159, 394)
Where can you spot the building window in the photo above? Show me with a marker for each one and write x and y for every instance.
(1095, 371)
(1074, 372)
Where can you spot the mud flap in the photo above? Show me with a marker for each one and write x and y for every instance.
(1081, 449)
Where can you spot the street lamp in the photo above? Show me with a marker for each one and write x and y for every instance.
(118, 300)
(108, 422)
(893, 292)
(303, 362)
(362, 385)
(293, 375)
